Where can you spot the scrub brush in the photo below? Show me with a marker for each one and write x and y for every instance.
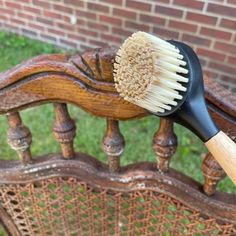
(165, 77)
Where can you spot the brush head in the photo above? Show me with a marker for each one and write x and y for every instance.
(151, 73)
(166, 79)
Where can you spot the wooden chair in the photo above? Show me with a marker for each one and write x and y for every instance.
(72, 193)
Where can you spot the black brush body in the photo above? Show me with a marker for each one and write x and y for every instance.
(192, 111)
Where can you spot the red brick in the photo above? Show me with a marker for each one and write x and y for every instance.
(233, 90)
(182, 26)
(25, 1)
(232, 60)
(13, 5)
(124, 13)
(226, 23)
(197, 5)
(65, 26)
(223, 84)
(221, 9)
(57, 32)
(110, 20)
(193, 39)
(51, 14)
(35, 26)
(121, 31)
(210, 74)
(65, 18)
(222, 67)
(2, 17)
(97, 7)
(152, 19)
(138, 5)
(203, 62)
(77, 37)
(4, 11)
(48, 37)
(225, 47)
(68, 43)
(87, 32)
(169, 34)
(77, 3)
(228, 79)
(86, 14)
(84, 47)
(231, 1)
(111, 38)
(169, 11)
(216, 33)
(40, 3)
(62, 8)
(97, 43)
(28, 32)
(211, 54)
(137, 26)
(80, 21)
(97, 26)
(32, 10)
(25, 16)
(164, 1)
(44, 21)
(201, 18)
(12, 27)
(115, 2)
(17, 21)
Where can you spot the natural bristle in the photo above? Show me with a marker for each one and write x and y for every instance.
(147, 72)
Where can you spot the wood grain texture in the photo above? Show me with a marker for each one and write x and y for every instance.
(164, 143)
(137, 176)
(19, 137)
(85, 80)
(224, 151)
(213, 173)
(64, 129)
(113, 144)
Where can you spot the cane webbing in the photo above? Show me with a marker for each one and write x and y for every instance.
(66, 206)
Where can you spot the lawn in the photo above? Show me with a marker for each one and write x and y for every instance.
(138, 133)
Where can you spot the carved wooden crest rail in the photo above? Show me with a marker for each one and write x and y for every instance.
(74, 194)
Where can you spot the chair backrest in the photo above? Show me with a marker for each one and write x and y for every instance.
(72, 193)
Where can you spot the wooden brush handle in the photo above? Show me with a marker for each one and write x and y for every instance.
(224, 151)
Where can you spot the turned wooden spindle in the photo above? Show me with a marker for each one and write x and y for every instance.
(113, 144)
(164, 144)
(213, 174)
(64, 129)
(19, 137)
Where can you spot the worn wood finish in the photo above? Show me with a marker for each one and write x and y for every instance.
(19, 137)
(86, 80)
(222, 106)
(8, 223)
(132, 177)
(64, 129)
(213, 173)
(164, 144)
(113, 144)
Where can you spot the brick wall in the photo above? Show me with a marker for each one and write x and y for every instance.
(209, 26)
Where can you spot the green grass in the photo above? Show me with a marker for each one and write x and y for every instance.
(90, 130)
